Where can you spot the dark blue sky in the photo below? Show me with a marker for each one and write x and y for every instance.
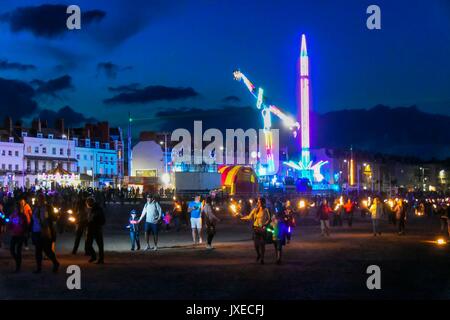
(197, 44)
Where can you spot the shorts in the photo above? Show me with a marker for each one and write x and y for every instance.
(151, 227)
(196, 223)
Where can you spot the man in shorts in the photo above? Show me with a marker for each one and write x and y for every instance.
(194, 209)
(152, 214)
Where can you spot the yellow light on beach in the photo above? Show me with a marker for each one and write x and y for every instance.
(301, 204)
(441, 242)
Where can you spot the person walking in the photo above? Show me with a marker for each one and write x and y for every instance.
(18, 226)
(349, 208)
(289, 219)
(261, 218)
(194, 208)
(25, 209)
(96, 221)
(210, 220)
(279, 232)
(376, 212)
(82, 223)
(400, 216)
(41, 234)
(133, 226)
(323, 214)
(152, 213)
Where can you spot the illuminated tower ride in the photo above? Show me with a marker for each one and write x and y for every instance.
(266, 112)
(304, 102)
(305, 167)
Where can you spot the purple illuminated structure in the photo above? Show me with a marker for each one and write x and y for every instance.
(305, 167)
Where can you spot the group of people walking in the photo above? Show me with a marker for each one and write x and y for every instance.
(201, 213)
(38, 221)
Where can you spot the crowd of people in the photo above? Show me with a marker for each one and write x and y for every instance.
(38, 216)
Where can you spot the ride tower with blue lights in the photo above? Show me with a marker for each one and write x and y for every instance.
(305, 168)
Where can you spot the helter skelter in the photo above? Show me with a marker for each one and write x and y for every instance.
(305, 166)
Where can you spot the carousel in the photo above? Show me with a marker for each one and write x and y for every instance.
(58, 177)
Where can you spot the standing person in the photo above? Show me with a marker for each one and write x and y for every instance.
(18, 225)
(261, 218)
(210, 220)
(96, 221)
(289, 219)
(348, 208)
(25, 209)
(152, 213)
(41, 234)
(176, 212)
(376, 211)
(323, 214)
(400, 216)
(194, 208)
(82, 223)
(279, 234)
(133, 226)
(2, 223)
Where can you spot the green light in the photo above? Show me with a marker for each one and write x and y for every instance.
(130, 119)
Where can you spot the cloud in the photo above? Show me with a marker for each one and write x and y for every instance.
(71, 117)
(17, 99)
(231, 99)
(125, 88)
(6, 65)
(152, 94)
(47, 20)
(53, 86)
(110, 69)
(224, 117)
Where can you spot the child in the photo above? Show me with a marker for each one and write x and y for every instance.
(279, 232)
(167, 219)
(133, 225)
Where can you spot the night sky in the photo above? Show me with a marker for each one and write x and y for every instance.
(156, 56)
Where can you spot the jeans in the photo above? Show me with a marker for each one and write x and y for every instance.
(260, 242)
(97, 235)
(16, 249)
(134, 237)
(43, 245)
(210, 232)
(350, 219)
(325, 227)
(78, 235)
(401, 225)
(376, 226)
